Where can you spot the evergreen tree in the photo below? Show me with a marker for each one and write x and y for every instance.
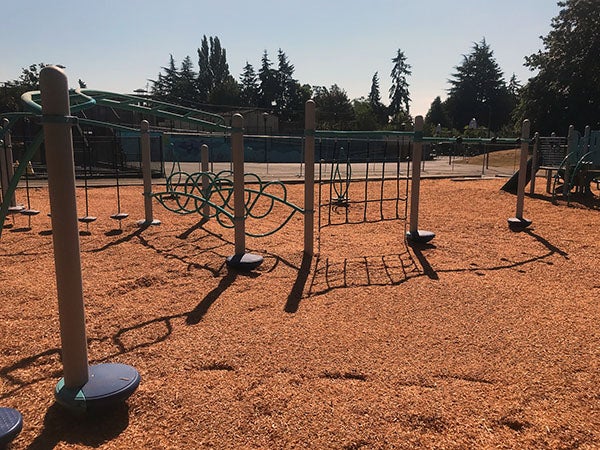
(268, 83)
(163, 88)
(566, 89)
(374, 94)
(184, 90)
(285, 85)
(478, 90)
(377, 108)
(399, 93)
(249, 89)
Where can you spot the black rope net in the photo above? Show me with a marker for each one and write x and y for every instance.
(362, 181)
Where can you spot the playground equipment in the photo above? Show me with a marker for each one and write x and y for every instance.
(572, 164)
(80, 100)
(415, 235)
(379, 157)
(230, 196)
(359, 177)
(519, 222)
(11, 424)
(146, 159)
(83, 387)
(87, 219)
(7, 170)
(580, 166)
(119, 215)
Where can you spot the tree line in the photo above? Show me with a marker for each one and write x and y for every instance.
(564, 91)
(273, 88)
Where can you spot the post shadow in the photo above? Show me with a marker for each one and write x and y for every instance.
(91, 430)
(546, 243)
(293, 300)
(193, 228)
(427, 269)
(202, 308)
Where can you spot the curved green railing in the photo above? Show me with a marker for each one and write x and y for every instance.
(185, 195)
(568, 171)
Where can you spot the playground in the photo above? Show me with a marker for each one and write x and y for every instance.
(484, 338)
(213, 308)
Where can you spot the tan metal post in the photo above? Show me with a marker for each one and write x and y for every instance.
(237, 150)
(414, 235)
(416, 175)
(522, 168)
(147, 173)
(205, 179)
(65, 232)
(309, 178)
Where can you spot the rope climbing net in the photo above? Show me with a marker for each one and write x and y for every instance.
(362, 180)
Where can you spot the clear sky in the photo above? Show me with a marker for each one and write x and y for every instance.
(117, 45)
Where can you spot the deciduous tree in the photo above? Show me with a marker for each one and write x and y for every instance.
(566, 89)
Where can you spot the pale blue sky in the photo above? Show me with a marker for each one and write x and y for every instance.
(116, 45)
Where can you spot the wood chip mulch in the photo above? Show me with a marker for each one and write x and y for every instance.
(487, 338)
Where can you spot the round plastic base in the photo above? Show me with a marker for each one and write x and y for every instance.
(516, 223)
(245, 261)
(119, 216)
(420, 236)
(11, 424)
(87, 219)
(143, 223)
(107, 385)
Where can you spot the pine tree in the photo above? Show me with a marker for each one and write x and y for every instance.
(185, 88)
(399, 93)
(249, 89)
(374, 94)
(374, 98)
(164, 87)
(268, 83)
